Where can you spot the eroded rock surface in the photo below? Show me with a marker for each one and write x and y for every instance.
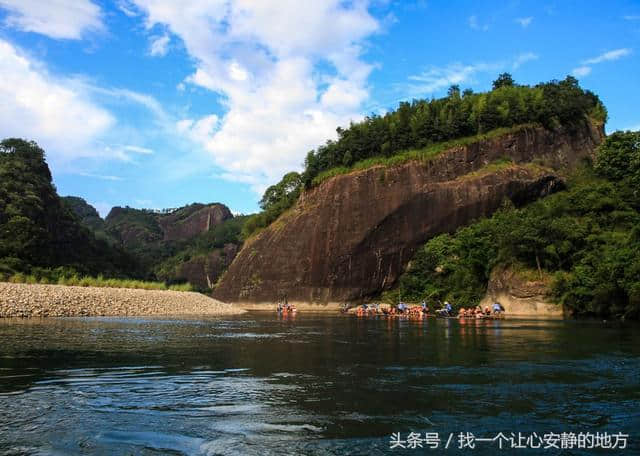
(353, 235)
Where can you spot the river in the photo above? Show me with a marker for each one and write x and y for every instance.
(313, 384)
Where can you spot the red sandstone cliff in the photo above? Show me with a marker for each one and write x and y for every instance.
(353, 235)
(200, 221)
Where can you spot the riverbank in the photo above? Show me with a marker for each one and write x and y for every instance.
(35, 300)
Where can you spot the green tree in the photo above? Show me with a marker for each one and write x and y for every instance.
(503, 80)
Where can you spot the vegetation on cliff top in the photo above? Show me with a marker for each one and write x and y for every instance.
(37, 230)
(416, 130)
(588, 237)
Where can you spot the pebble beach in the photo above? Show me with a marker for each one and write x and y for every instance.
(35, 300)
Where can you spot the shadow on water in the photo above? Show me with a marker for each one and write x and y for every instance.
(315, 384)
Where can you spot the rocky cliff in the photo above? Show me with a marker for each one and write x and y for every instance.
(353, 235)
(185, 224)
(202, 271)
(193, 238)
(521, 292)
(136, 227)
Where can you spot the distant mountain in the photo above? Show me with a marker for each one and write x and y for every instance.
(88, 216)
(195, 243)
(38, 229)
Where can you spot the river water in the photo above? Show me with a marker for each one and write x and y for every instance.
(315, 384)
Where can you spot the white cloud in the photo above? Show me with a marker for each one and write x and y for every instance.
(585, 68)
(64, 116)
(100, 176)
(581, 71)
(475, 25)
(57, 113)
(437, 78)
(59, 19)
(607, 56)
(288, 74)
(125, 153)
(127, 8)
(159, 45)
(138, 150)
(524, 21)
(523, 58)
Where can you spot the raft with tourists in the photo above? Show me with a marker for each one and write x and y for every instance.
(284, 308)
(422, 311)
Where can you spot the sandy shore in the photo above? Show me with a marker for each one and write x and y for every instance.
(26, 300)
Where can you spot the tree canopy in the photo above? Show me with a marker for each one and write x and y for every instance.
(37, 229)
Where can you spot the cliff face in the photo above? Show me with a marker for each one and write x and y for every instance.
(353, 235)
(201, 220)
(203, 271)
(521, 293)
(155, 238)
(136, 227)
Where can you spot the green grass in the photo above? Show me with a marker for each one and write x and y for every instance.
(422, 155)
(493, 167)
(85, 281)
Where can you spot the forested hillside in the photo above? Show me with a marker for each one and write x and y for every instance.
(38, 231)
(586, 239)
(50, 237)
(88, 216)
(422, 128)
(194, 243)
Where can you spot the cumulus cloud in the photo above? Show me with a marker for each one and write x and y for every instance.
(65, 115)
(57, 113)
(524, 21)
(58, 19)
(288, 74)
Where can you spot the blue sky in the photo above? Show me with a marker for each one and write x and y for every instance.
(157, 103)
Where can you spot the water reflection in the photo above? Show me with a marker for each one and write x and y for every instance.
(261, 384)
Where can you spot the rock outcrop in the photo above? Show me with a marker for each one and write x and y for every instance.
(155, 237)
(203, 271)
(521, 293)
(353, 235)
(136, 227)
(179, 227)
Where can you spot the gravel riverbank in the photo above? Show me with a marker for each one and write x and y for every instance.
(27, 300)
